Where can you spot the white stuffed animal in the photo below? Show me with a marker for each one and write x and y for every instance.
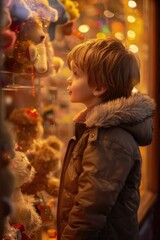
(24, 212)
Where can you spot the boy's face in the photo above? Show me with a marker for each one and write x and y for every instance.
(78, 88)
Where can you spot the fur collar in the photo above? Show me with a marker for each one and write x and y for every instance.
(127, 111)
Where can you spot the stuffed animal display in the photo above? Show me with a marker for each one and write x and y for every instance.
(31, 52)
(43, 154)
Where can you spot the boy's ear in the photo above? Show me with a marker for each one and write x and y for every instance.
(97, 92)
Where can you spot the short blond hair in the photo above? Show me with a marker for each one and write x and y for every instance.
(109, 64)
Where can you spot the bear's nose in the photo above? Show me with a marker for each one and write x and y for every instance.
(29, 167)
(42, 37)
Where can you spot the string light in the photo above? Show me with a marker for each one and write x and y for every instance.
(133, 48)
(131, 19)
(84, 28)
(119, 35)
(131, 34)
(132, 4)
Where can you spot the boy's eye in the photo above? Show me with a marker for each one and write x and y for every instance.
(75, 74)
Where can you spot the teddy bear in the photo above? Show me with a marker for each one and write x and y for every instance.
(24, 212)
(33, 51)
(46, 63)
(44, 156)
(29, 33)
(27, 126)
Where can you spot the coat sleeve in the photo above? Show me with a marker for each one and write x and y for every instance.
(105, 168)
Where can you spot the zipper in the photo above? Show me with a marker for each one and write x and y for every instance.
(69, 150)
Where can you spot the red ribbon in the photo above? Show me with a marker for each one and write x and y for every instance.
(32, 112)
(20, 227)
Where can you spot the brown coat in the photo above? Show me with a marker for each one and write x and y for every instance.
(99, 192)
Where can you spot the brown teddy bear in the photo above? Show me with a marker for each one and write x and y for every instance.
(29, 33)
(27, 126)
(45, 157)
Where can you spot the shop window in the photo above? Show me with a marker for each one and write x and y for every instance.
(33, 80)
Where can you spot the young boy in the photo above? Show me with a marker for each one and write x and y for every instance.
(99, 191)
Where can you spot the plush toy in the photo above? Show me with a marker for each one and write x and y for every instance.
(24, 212)
(33, 51)
(46, 63)
(72, 8)
(45, 157)
(27, 125)
(24, 53)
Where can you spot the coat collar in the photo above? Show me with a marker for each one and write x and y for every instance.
(122, 111)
